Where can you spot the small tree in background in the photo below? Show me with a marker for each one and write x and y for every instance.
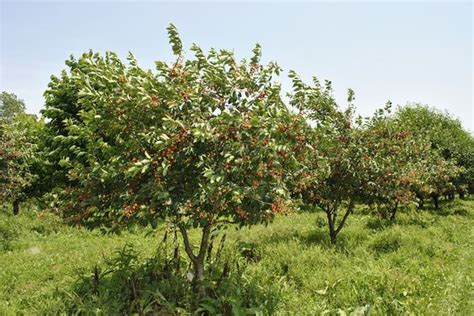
(198, 142)
(393, 163)
(441, 175)
(449, 141)
(18, 156)
(10, 106)
(331, 179)
(24, 170)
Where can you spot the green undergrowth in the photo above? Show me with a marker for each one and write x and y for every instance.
(421, 263)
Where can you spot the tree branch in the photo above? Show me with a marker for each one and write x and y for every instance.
(204, 242)
(348, 211)
(187, 245)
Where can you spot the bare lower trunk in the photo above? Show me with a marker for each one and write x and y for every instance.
(197, 260)
(16, 207)
(435, 198)
(394, 212)
(331, 213)
(199, 286)
(331, 224)
(421, 204)
(421, 200)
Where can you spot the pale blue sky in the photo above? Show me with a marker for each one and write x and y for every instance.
(402, 51)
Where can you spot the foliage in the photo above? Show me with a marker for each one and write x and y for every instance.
(393, 164)
(450, 142)
(18, 147)
(61, 108)
(10, 105)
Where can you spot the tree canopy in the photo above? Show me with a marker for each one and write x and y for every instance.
(10, 105)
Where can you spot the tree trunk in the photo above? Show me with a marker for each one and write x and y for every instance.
(330, 213)
(461, 195)
(197, 260)
(332, 217)
(16, 207)
(421, 200)
(421, 204)
(332, 230)
(394, 211)
(199, 287)
(436, 200)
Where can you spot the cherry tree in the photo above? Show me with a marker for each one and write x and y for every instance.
(197, 142)
(331, 178)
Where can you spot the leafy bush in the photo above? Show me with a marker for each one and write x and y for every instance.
(127, 284)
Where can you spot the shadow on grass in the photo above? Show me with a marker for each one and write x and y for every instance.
(418, 220)
(414, 216)
(317, 235)
(447, 208)
(320, 237)
(161, 285)
(379, 224)
(386, 242)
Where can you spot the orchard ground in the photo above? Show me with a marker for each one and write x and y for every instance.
(423, 263)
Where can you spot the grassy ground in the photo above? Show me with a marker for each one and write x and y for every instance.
(423, 264)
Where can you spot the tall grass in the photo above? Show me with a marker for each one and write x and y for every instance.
(421, 264)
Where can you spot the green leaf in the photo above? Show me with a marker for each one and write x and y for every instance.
(174, 39)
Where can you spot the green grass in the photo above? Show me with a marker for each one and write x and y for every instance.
(421, 264)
